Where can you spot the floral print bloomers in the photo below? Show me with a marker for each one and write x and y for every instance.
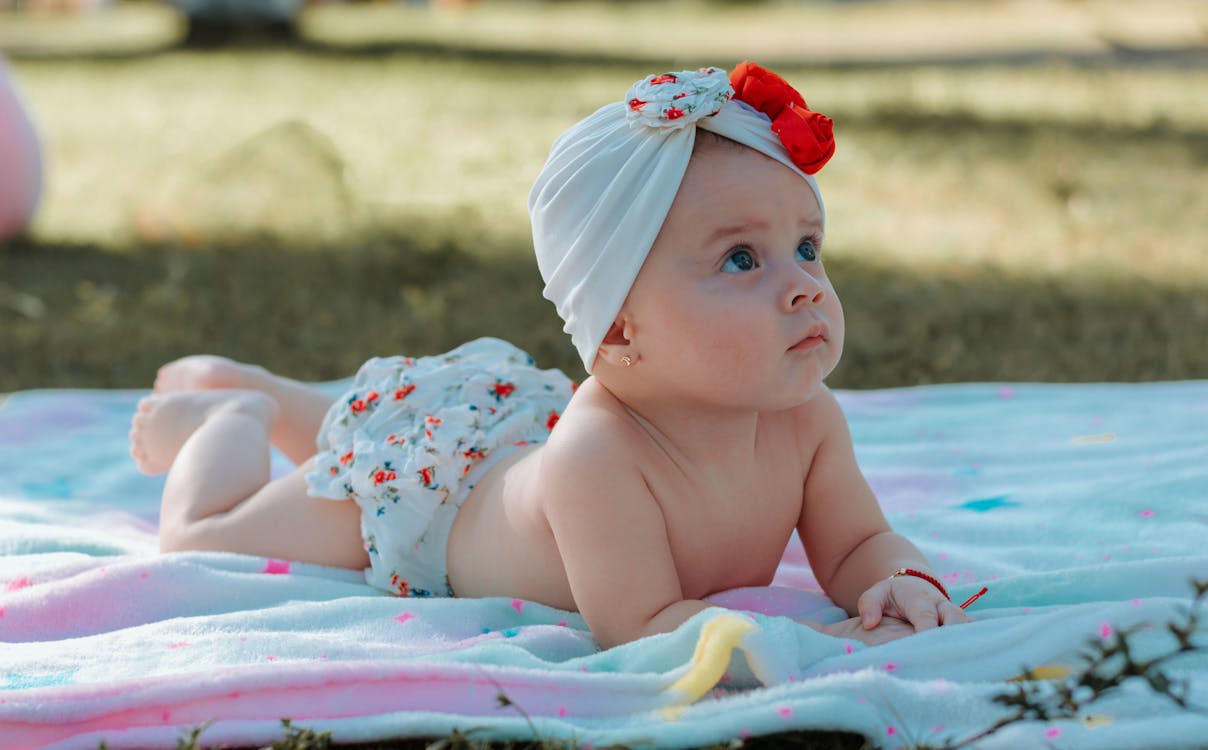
(412, 437)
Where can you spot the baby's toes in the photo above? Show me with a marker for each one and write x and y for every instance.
(198, 372)
(137, 451)
(167, 379)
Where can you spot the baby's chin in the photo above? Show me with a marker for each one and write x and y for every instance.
(792, 398)
(811, 390)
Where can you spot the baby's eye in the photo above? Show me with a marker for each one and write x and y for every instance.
(740, 260)
(807, 251)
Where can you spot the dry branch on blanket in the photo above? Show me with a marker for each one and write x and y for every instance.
(1110, 662)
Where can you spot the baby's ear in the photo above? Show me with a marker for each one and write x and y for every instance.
(617, 343)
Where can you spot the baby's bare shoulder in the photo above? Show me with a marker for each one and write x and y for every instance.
(818, 421)
(595, 439)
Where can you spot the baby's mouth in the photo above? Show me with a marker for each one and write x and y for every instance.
(814, 337)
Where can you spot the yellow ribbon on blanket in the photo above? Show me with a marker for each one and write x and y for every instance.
(718, 639)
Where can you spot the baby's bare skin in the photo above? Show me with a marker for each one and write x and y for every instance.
(724, 529)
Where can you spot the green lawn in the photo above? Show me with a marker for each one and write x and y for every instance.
(308, 207)
(363, 191)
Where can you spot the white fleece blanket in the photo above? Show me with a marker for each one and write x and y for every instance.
(1083, 508)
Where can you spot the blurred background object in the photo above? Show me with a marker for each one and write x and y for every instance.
(53, 6)
(20, 160)
(1017, 194)
(215, 21)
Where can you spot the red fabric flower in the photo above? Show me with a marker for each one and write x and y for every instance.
(664, 78)
(402, 393)
(674, 113)
(807, 135)
(551, 420)
(636, 103)
(401, 587)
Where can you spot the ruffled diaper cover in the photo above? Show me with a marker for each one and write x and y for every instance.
(410, 439)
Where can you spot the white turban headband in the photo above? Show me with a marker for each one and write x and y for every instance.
(601, 198)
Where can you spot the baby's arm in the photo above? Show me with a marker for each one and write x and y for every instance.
(850, 546)
(612, 538)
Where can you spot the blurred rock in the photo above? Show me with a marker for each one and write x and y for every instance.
(287, 181)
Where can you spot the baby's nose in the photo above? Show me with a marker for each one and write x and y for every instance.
(804, 290)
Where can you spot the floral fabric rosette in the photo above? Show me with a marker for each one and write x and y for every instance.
(673, 100)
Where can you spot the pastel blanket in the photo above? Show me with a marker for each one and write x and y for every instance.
(1083, 508)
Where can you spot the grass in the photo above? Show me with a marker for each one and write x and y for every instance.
(105, 319)
(301, 738)
(1017, 193)
(270, 203)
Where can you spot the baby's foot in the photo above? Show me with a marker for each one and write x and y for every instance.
(163, 422)
(205, 372)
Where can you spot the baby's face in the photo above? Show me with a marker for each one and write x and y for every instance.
(732, 304)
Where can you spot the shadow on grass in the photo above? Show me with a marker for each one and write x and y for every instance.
(300, 738)
(218, 36)
(1005, 135)
(798, 740)
(83, 317)
(1117, 55)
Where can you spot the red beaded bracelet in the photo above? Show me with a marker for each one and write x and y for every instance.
(920, 574)
(934, 582)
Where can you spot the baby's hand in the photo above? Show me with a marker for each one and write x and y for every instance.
(889, 629)
(911, 599)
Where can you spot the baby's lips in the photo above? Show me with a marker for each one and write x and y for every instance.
(815, 332)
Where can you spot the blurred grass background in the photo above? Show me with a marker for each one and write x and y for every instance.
(1018, 191)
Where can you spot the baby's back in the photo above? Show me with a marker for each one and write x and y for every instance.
(607, 503)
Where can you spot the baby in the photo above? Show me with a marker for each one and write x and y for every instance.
(679, 233)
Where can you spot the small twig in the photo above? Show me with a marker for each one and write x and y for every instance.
(1109, 662)
(501, 697)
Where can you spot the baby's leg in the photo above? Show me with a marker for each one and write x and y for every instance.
(302, 406)
(218, 496)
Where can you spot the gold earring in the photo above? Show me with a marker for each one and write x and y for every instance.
(626, 360)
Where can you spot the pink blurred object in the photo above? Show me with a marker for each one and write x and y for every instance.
(20, 161)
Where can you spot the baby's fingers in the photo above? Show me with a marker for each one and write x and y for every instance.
(871, 608)
(950, 614)
(922, 615)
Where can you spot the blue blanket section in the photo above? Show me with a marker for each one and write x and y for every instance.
(1083, 508)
